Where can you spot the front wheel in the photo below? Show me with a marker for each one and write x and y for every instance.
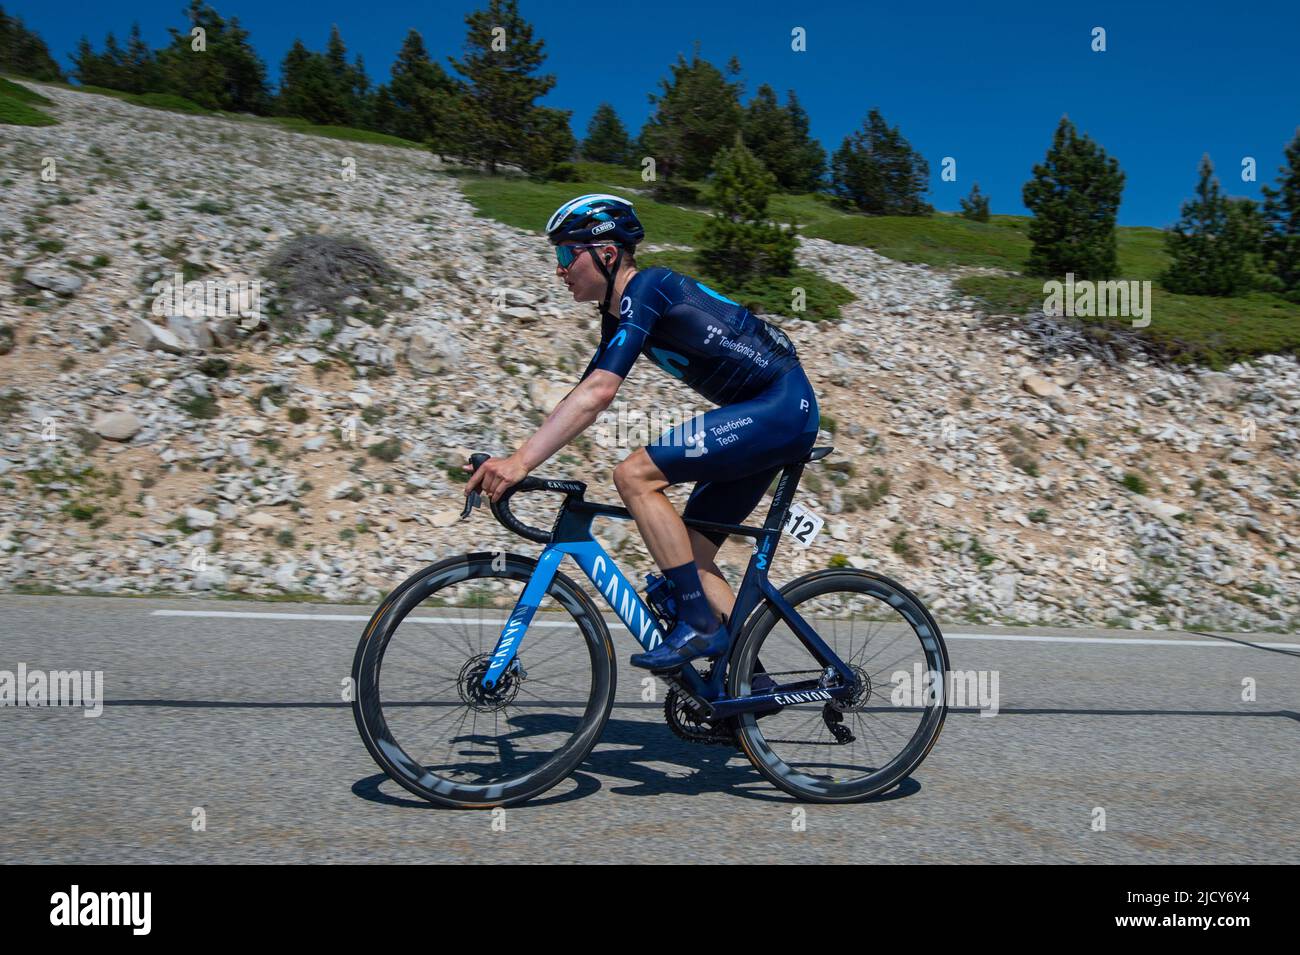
(853, 748)
(420, 706)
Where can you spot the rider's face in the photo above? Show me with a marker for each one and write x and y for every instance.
(583, 278)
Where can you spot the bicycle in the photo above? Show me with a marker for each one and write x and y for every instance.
(526, 744)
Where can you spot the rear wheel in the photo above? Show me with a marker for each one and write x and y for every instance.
(419, 704)
(851, 749)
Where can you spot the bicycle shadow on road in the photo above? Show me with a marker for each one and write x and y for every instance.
(629, 760)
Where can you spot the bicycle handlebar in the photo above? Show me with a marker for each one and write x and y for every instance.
(501, 508)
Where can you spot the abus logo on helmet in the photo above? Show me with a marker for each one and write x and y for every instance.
(603, 227)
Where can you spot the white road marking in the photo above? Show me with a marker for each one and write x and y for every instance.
(1140, 641)
(335, 617)
(1008, 637)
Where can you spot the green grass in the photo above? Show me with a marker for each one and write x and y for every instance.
(1134, 483)
(1198, 329)
(169, 101)
(941, 240)
(16, 113)
(612, 177)
(945, 240)
(166, 101)
(346, 133)
(174, 103)
(526, 204)
(22, 94)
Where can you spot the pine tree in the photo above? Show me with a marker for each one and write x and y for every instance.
(976, 205)
(87, 67)
(302, 83)
(115, 70)
(23, 53)
(1210, 243)
(778, 136)
(877, 172)
(497, 111)
(606, 138)
(323, 87)
(547, 140)
(697, 114)
(107, 69)
(338, 88)
(228, 76)
(344, 100)
(1281, 239)
(1074, 198)
(419, 98)
(140, 66)
(739, 242)
(383, 112)
(809, 165)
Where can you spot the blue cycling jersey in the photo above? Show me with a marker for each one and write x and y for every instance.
(715, 346)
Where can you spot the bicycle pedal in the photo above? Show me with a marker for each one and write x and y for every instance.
(669, 675)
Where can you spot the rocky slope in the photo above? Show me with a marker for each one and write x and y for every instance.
(146, 454)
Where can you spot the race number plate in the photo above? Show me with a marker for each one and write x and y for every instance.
(802, 525)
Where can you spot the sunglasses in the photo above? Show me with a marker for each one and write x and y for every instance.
(566, 255)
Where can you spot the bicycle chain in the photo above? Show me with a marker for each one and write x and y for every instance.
(677, 710)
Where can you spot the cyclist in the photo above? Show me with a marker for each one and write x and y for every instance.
(767, 414)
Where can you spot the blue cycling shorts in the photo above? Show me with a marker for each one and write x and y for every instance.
(733, 452)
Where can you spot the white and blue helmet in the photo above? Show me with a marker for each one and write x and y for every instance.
(596, 217)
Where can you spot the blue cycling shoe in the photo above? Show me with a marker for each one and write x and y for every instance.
(682, 645)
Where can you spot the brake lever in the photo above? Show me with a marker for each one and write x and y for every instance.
(474, 498)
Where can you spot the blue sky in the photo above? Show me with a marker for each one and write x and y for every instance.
(982, 83)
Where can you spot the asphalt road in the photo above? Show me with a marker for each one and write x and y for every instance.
(242, 717)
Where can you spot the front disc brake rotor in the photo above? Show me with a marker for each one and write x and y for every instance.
(474, 695)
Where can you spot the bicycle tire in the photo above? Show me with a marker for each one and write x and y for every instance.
(367, 706)
(747, 729)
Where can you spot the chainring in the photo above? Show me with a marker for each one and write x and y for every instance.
(688, 724)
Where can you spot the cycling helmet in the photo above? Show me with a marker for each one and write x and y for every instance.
(597, 217)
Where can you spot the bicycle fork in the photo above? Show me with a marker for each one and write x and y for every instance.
(609, 582)
(512, 634)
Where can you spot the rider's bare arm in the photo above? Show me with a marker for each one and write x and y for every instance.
(572, 416)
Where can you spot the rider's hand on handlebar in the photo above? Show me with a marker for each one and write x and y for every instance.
(496, 476)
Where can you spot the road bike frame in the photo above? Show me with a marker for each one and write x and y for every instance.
(572, 535)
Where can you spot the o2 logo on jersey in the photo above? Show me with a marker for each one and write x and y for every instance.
(625, 306)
